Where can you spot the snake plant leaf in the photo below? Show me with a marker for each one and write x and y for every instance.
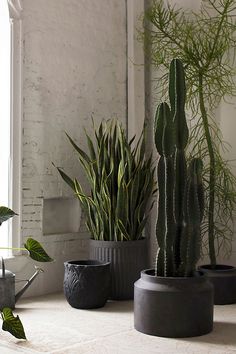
(5, 214)
(91, 147)
(12, 324)
(123, 230)
(132, 140)
(66, 178)
(81, 153)
(36, 251)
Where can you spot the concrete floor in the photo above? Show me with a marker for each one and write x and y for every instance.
(52, 326)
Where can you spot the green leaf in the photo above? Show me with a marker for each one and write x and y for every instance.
(81, 153)
(66, 178)
(123, 230)
(12, 324)
(36, 251)
(91, 147)
(5, 214)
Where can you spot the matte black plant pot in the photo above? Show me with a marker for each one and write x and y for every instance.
(173, 307)
(87, 283)
(223, 277)
(127, 259)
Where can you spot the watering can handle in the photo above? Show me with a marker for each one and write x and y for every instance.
(3, 267)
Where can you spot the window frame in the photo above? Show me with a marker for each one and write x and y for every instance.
(15, 168)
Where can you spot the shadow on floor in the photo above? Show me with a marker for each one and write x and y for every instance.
(111, 306)
(223, 333)
(117, 306)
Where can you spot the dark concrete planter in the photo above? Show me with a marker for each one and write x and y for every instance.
(173, 307)
(127, 259)
(87, 283)
(223, 277)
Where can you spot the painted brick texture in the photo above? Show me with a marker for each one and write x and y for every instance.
(74, 68)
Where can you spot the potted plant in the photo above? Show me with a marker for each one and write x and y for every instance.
(174, 300)
(121, 181)
(82, 283)
(205, 42)
(8, 298)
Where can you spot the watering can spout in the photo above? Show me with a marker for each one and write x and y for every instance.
(29, 282)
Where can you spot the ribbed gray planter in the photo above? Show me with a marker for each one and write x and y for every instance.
(173, 307)
(87, 283)
(127, 259)
(223, 277)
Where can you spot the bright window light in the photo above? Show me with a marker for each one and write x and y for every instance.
(5, 60)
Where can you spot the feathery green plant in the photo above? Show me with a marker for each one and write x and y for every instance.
(205, 42)
(121, 180)
(180, 204)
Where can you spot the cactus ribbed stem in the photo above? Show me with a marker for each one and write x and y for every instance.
(180, 204)
(165, 142)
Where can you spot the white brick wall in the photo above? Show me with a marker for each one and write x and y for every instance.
(74, 67)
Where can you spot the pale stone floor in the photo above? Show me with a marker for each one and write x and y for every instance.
(52, 326)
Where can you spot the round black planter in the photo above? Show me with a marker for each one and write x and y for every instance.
(87, 283)
(127, 259)
(173, 307)
(223, 278)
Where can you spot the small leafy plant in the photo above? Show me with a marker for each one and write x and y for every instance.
(181, 199)
(121, 180)
(11, 323)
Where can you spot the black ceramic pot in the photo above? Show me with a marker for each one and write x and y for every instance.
(223, 278)
(173, 307)
(127, 259)
(87, 283)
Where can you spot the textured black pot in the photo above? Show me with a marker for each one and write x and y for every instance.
(127, 259)
(87, 283)
(223, 278)
(173, 307)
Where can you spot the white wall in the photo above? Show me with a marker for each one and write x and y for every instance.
(228, 129)
(74, 67)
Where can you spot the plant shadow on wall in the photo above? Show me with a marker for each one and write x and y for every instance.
(121, 181)
(8, 298)
(205, 42)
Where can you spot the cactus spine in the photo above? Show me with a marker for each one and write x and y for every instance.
(180, 204)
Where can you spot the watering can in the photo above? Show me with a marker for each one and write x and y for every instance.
(7, 286)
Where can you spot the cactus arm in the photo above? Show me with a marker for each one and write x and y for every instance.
(165, 229)
(177, 94)
(180, 176)
(193, 214)
(164, 130)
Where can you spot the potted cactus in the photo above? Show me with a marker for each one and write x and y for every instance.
(175, 300)
(121, 181)
(209, 41)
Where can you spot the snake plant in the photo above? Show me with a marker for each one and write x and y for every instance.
(180, 205)
(121, 181)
